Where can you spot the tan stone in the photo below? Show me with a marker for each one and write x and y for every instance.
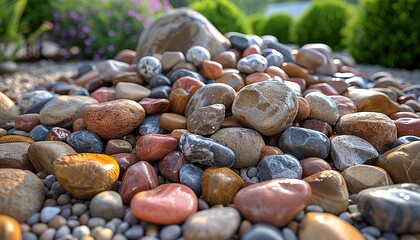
(8, 109)
(43, 154)
(367, 100)
(361, 177)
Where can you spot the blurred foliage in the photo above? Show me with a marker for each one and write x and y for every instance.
(322, 22)
(36, 12)
(224, 15)
(386, 33)
(257, 22)
(278, 25)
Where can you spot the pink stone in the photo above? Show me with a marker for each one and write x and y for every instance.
(313, 165)
(26, 122)
(408, 126)
(103, 94)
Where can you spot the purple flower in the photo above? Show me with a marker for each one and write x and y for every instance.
(85, 29)
(111, 33)
(96, 57)
(109, 13)
(88, 50)
(131, 13)
(72, 32)
(147, 22)
(74, 15)
(87, 42)
(155, 5)
(101, 50)
(111, 48)
(166, 5)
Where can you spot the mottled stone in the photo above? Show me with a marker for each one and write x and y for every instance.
(160, 92)
(329, 190)
(29, 100)
(149, 66)
(367, 100)
(304, 109)
(131, 91)
(190, 175)
(318, 125)
(322, 107)
(8, 109)
(197, 54)
(198, 149)
(10, 228)
(361, 177)
(234, 80)
(14, 155)
(394, 208)
(61, 111)
(170, 166)
(268, 107)
(113, 119)
(155, 106)
(402, 163)
(349, 150)
(26, 122)
(220, 185)
(206, 120)
(106, 205)
(376, 128)
(285, 50)
(21, 193)
(168, 33)
(313, 165)
(239, 41)
(138, 177)
(211, 94)
(115, 146)
(212, 224)
(154, 147)
(43, 154)
(170, 203)
(57, 134)
(74, 173)
(244, 142)
(84, 141)
(279, 166)
(150, 125)
(327, 226)
(304, 143)
(408, 126)
(252, 63)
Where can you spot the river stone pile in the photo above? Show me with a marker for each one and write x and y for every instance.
(204, 136)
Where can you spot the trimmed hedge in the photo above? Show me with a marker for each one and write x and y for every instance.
(257, 22)
(279, 25)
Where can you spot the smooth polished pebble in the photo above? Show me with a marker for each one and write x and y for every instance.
(154, 147)
(149, 66)
(43, 154)
(191, 175)
(279, 166)
(361, 177)
(109, 68)
(367, 100)
(197, 54)
(10, 228)
(14, 155)
(84, 141)
(150, 125)
(106, 205)
(170, 166)
(322, 107)
(131, 91)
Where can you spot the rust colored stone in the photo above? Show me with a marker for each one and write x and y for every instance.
(154, 147)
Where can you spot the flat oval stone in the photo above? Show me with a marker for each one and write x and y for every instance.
(213, 223)
(344, 105)
(10, 228)
(170, 58)
(310, 59)
(329, 190)
(349, 150)
(275, 202)
(115, 146)
(376, 128)
(61, 111)
(190, 175)
(239, 41)
(304, 143)
(21, 193)
(132, 91)
(150, 125)
(84, 141)
(234, 80)
(139, 177)
(220, 185)
(155, 105)
(226, 58)
(263, 231)
(206, 120)
(30, 99)
(154, 147)
(361, 177)
(113, 119)
(313, 165)
(172, 121)
(103, 94)
(131, 77)
(318, 125)
(198, 149)
(74, 173)
(211, 94)
(8, 109)
(402, 140)
(58, 134)
(402, 163)
(14, 155)
(170, 203)
(159, 80)
(43, 154)
(211, 69)
(245, 143)
(268, 107)
(26, 122)
(408, 126)
(170, 166)
(279, 166)
(322, 107)
(367, 100)
(394, 208)
(327, 226)
(106, 205)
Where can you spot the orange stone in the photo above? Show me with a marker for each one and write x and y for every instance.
(211, 69)
(189, 84)
(367, 100)
(275, 71)
(15, 138)
(253, 48)
(234, 80)
(155, 105)
(154, 147)
(313, 165)
(256, 77)
(170, 203)
(126, 55)
(172, 121)
(84, 175)
(9, 228)
(269, 150)
(179, 98)
(303, 109)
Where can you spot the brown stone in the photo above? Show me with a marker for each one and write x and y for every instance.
(74, 173)
(14, 155)
(15, 139)
(231, 122)
(206, 120)
(126, 55)
(26, 122)
(113, 119)
(275, 71)
(252, 49)
(318, 125)
(8, 109)
(372, 101)
(170, 165)
(313, 165)
(226, 58)
(78, 124)
(170, 31)
(256, 77)
(295, 71)
(344, 104)
(21, 193)
(139, 177)
(329, 191)
(303, 109)
(234, 80)
(44, 153)
(172, 121)
(310, 59)
(9, 228)
(269, 150)
(154, 147)
(57, 134)
(211, 69)
(170, 58)
(189, 84)
(402, 163)
(185, 65)
(376, 128)
(176, 133)
(275, 202)
(179, 98)
(87, 77)
(131, 77)
(155, 105)
(361, 177)
(327, 226)
(325, 88)
(125, 160)
(115, 146)
(103, 94)
(339, 85)
(408, 126)
(170, 203)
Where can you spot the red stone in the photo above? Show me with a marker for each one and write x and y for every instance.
(139, 177)
(155, 105)
(399, 115)
(313, 165)
(125, 160)
(78, 124)
(256, 77)
(170, 165)
(275, 71)
(269, 150)
(167, 204)
(211, 69)
(26, 122)
(189, 84)
(324, 88)
(275, 202)
(408, 126)
(253, 48)
(57, 134)
(318, 125)
(154, 147)
(103, 94)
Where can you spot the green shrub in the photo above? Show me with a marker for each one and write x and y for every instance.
(36, 12)
(278, 25)
(223, 14)
(257, 22)
(322, 22)
(386, 33)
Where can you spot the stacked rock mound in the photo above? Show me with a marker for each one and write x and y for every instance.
(208, 136)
